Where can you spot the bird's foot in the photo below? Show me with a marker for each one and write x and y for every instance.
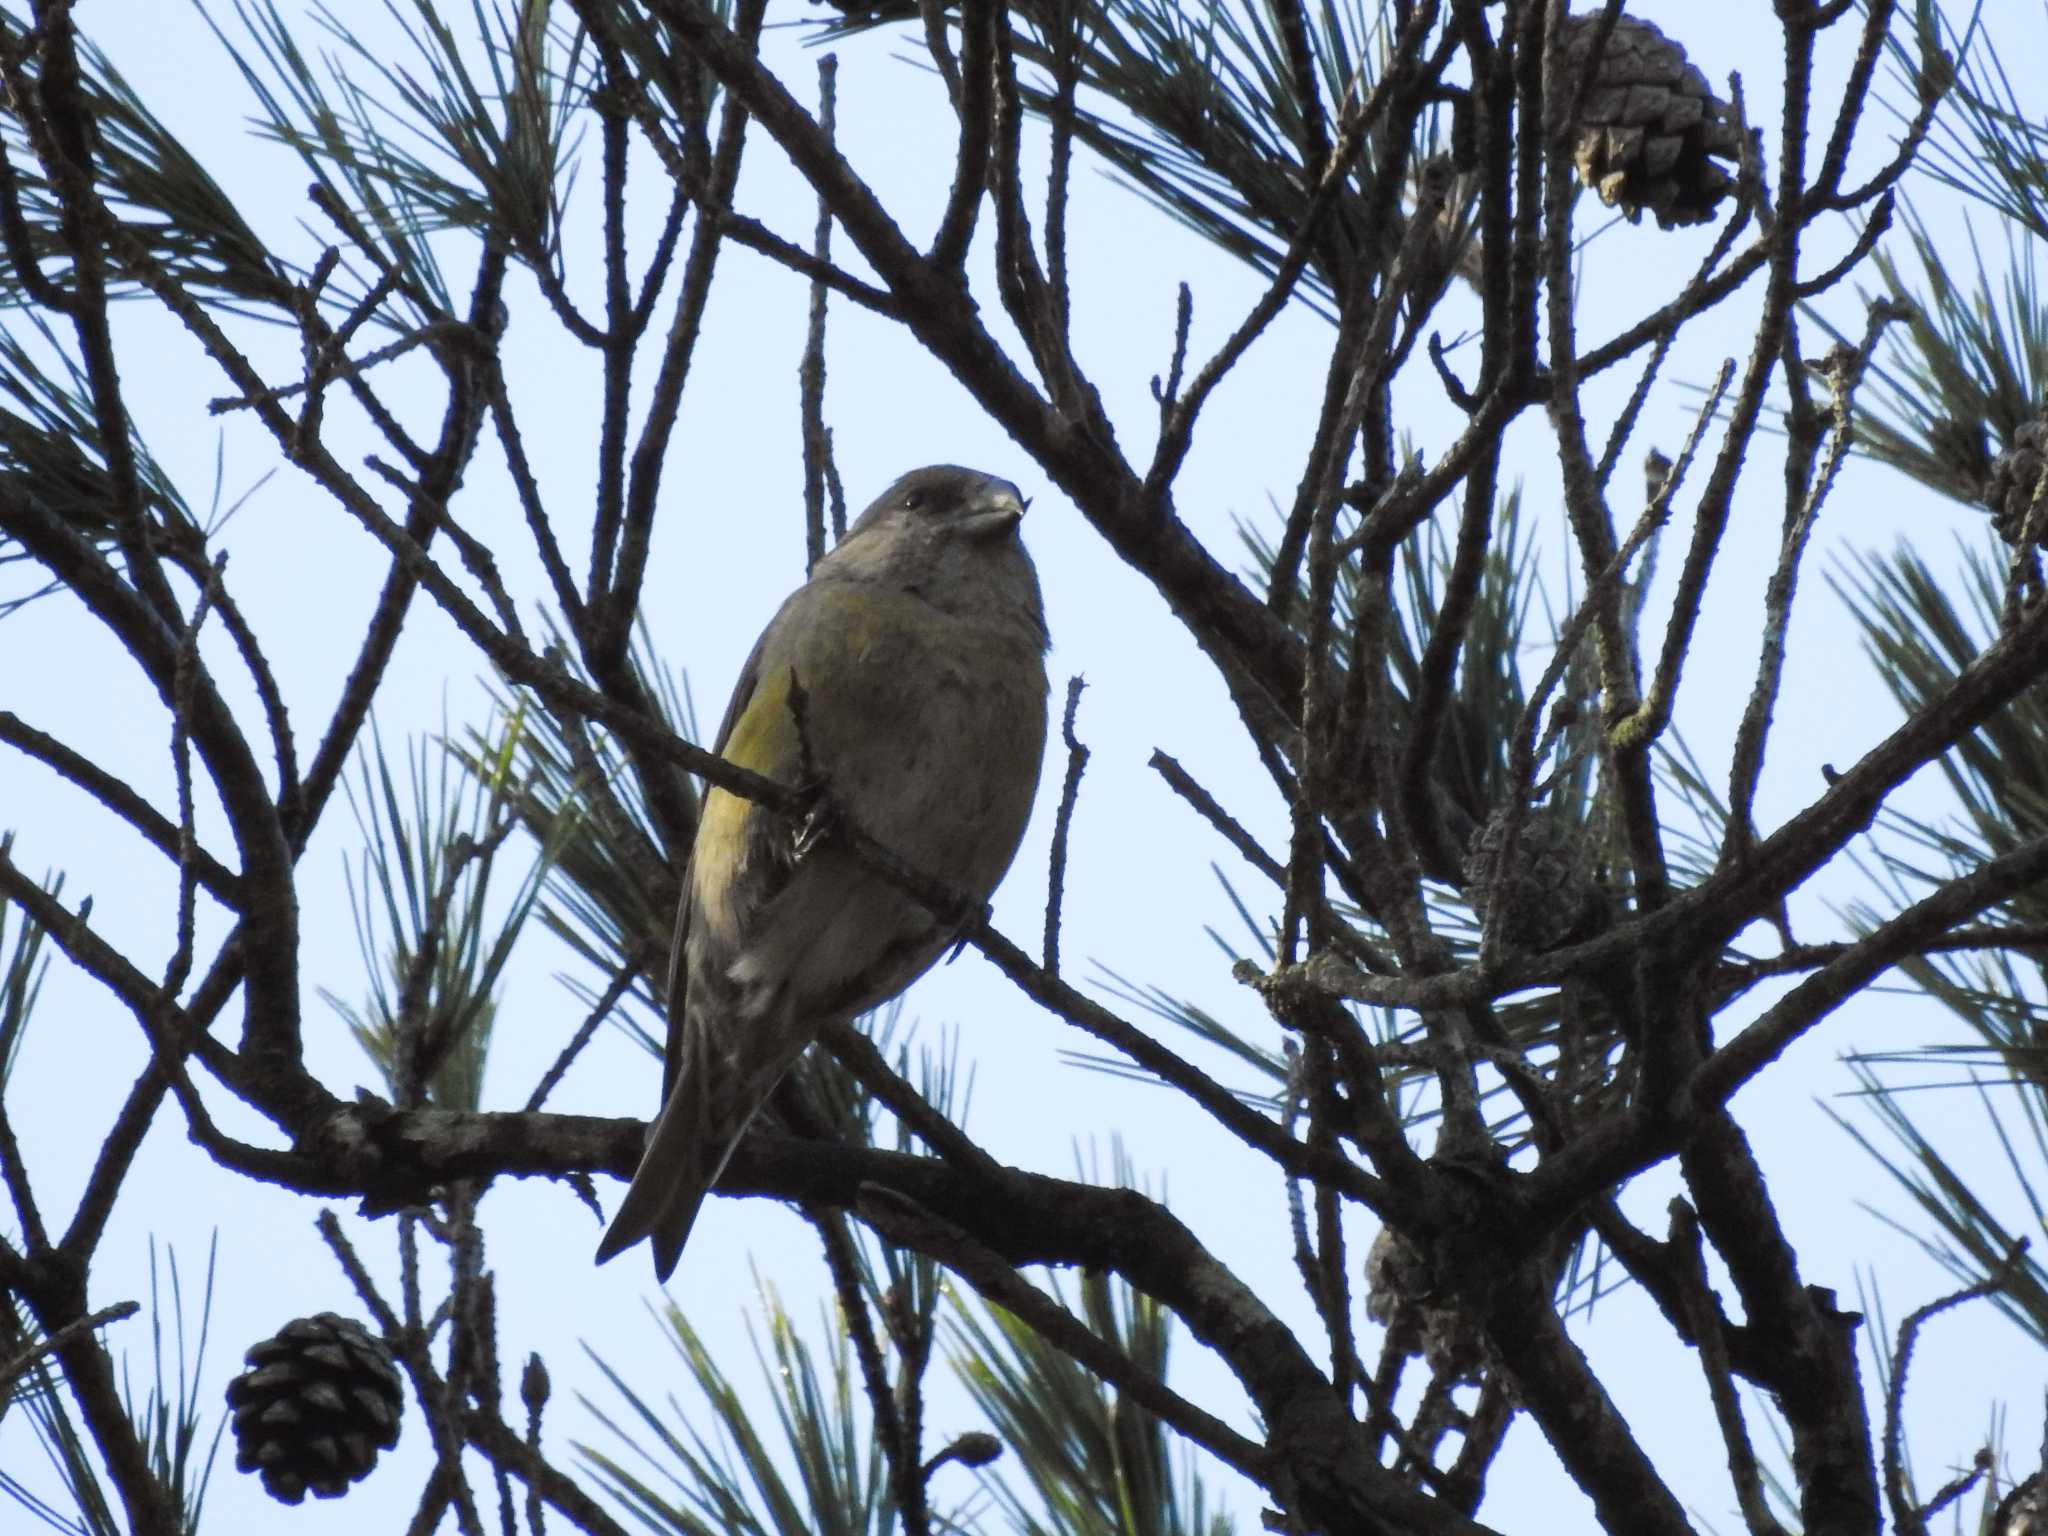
(973, 916)
(820, 822)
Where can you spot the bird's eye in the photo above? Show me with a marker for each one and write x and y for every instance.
(912, 500)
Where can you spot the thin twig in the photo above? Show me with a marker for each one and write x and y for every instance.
(1485, 1428)
(276, 716)
(1709, 1336)
(1845, 369)
(858, 1055)
(975, 102)
(1062, 826)
(407, 1340)
(1909, 1519)
(1980, 1466)
(1066, 76)
(326, 350)
(495, 1440)
(902, 1455)
(476, 555)
(1906, 933)
(527, 486)
(902, 1220)
(817, 437)
(1522, 756)
(1324, 1113)
(14, 1172)
(120, 798)
(1742, 974)
(21, 251)
(343, 368)
(1183, 783)
(13, 1368)
(1256, 1130)
(183, 703)
(59, 123)
(933, 14)
(620, 983)
(533, 1394)
(1675, 318)
(1176, 433)
(1167, 394)
(620, 550)
(329, 1227)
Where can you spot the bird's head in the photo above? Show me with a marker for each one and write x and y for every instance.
(944, 501)
(950, 534)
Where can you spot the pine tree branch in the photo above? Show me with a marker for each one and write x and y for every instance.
(119, 797)
(1586, 1431)
(939, 311)
(496, 1440)
(904, 1222)
(393, 1158)
(1709, 1337)
(53, 1285)
(1909, 1519)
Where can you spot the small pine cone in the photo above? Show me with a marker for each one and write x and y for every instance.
(1651, 129)
(1400, 1293)
(1549, 896)
(320, 1399)
(2015, 476)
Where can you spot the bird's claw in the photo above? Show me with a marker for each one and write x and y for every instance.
(819, 823)
(973, 915)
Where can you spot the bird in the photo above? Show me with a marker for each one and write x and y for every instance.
(907, 678)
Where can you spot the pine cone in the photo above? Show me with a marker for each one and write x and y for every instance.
(1651, 129)
(1550, 895)
(2015, 475)
(1400, 1293)
(320, 1399)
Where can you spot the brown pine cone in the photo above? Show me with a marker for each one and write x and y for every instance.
(320, 1399)
(2015, 475)
(1651, 131)
(1550, 895)
(1400, 1293)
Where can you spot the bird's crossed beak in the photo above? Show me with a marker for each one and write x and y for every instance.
(995, 511)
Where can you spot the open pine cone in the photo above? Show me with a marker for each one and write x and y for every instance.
(320, 1399)
(2015, 473)
(1400, 1293)
(1651, 130)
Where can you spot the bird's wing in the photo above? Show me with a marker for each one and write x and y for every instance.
(714, 1077)
(678, 974)
(735, 834)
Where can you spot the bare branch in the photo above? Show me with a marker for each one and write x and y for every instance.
(1063, 824)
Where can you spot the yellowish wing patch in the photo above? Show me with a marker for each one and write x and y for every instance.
(763, 739)
(844, 626)
(715, 860)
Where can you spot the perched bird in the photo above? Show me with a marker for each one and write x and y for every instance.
(907, 677)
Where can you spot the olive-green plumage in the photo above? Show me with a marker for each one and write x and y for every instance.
(919, 645)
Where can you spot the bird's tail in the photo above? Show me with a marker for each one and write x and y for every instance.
(685, 1154)
(729, 1060)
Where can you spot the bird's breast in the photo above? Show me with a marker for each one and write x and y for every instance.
(935, 741)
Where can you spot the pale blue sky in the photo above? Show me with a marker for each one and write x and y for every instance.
(1140, 888)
